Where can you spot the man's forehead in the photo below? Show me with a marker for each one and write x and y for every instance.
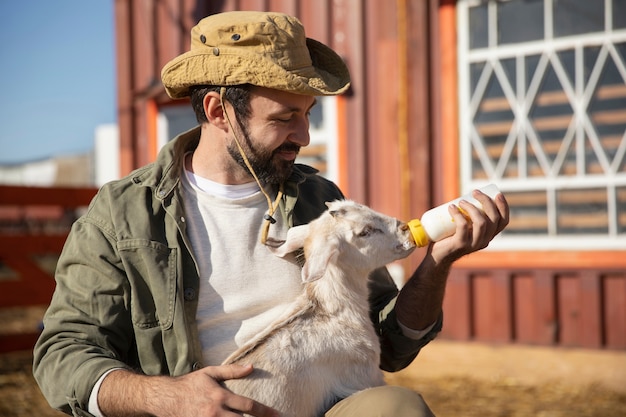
(281, 99)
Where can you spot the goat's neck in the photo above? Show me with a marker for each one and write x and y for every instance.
(341, 289)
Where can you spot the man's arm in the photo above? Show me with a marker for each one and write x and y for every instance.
(127, 394)
(420, 301)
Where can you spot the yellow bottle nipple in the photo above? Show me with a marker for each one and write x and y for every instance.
(419, 234)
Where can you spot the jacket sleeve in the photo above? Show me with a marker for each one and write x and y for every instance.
(397, 350)
(87, 325)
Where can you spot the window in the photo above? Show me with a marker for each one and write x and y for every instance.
(543, 115)
(173, 120)
(320, 154)
(322, 151)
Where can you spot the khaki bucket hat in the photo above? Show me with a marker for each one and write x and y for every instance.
(261, 48)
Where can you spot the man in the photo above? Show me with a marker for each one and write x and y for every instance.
(166, 274)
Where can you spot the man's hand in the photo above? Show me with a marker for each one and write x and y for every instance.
(420, 300)
(475, 228)
(197, 394)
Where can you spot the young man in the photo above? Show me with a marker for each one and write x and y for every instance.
(166, 274)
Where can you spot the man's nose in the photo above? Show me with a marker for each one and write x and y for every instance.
(300, 135)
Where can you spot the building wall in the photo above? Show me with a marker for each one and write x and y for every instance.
(537, 306)
(398, 130)
(366, 34)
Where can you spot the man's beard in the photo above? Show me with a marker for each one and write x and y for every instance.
(268, 166)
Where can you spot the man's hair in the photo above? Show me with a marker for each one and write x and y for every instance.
(238, 96)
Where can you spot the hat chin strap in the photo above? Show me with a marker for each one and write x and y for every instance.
(267, 219)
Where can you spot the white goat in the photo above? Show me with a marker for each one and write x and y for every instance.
(324, 347)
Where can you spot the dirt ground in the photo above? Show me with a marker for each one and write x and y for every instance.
(456, 379)
(473, 379)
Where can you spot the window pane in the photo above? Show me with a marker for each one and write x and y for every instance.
(621, 210)
(619, 14)
(531, 63)
(316, 115)
(493, 121)
(520, 21)
(478, 27)
(574, 17)
(582, 211)
(528, 213)
(476, 69)
(568, 62)
(550, 118)
(606, 111)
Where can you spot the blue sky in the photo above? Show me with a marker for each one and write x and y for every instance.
(57, 76)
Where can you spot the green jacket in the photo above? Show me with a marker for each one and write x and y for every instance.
(127, 284)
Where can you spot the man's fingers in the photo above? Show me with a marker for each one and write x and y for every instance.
(496, 209)
(503, 208)
(226, 372)
(249, 406)
(237, 402)
(485, 223)
(231, 401)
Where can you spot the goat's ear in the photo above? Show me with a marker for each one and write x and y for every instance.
(337, 212)
(334, 212)
(295, 240)
(324, 252)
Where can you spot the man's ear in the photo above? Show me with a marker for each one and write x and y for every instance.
(214, 111)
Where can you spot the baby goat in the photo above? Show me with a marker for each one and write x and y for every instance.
(324, 347)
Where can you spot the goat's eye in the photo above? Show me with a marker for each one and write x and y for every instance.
(368, 231)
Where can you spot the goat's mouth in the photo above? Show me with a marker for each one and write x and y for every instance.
(406, 246)
(407, 243)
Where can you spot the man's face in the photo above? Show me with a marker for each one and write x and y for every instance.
(271, 138)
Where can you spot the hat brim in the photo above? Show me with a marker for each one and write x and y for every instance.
(327, 75)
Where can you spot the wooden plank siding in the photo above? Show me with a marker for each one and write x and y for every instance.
(385, 121)
(26, 281)
(568, 307)
(399, 153)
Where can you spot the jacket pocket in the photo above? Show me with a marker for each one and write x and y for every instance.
(151, 270)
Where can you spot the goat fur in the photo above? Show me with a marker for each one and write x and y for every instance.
(324, 347)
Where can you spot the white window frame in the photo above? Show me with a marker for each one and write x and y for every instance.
(579, 94)
(327, 134)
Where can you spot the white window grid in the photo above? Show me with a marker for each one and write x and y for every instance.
(520, 98)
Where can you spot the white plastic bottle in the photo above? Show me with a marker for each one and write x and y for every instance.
(437, 223)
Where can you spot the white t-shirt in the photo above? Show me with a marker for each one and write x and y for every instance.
(243, 286)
